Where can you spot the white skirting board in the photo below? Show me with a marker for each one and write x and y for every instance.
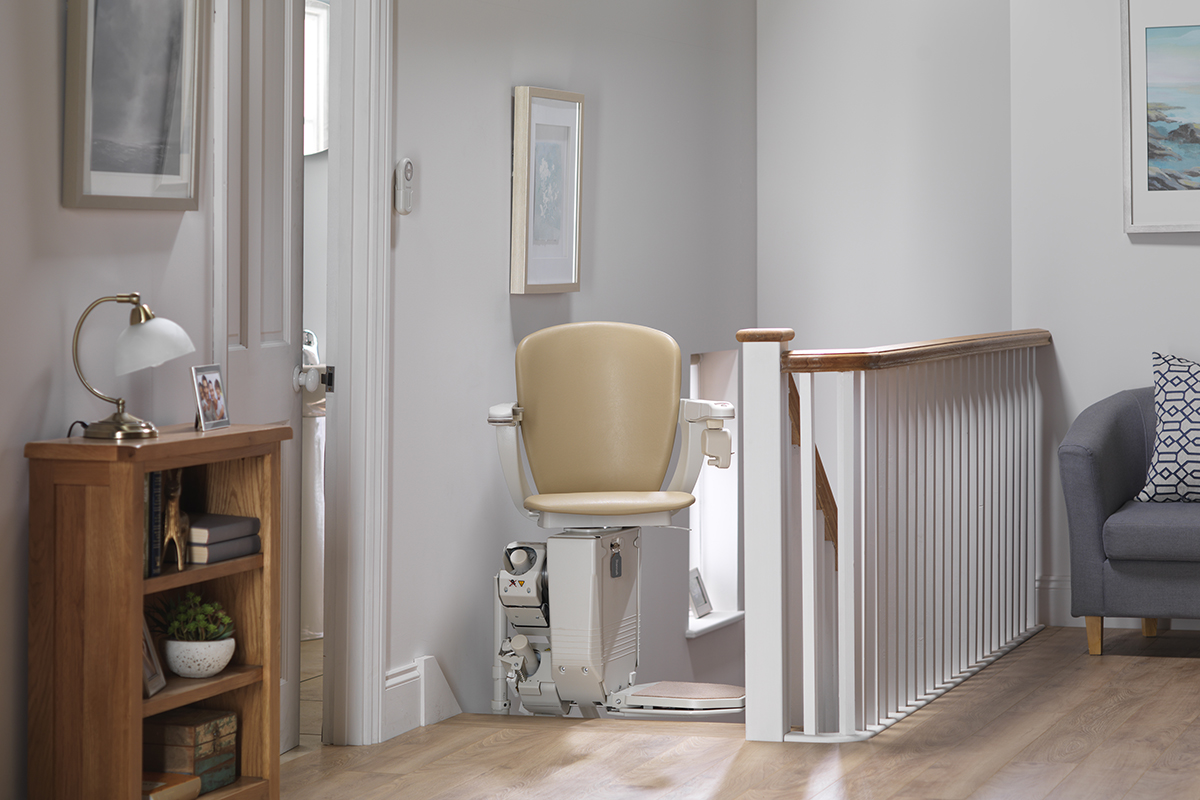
(416, 695)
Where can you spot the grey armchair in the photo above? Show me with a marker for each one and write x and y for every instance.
(1128, 559)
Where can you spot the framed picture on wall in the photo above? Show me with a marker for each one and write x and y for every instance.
(547, 172)
(133, 78)
(1161, 65)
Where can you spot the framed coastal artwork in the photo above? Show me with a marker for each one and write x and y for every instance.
(1161, 43)
(547, 173)
(130, 123)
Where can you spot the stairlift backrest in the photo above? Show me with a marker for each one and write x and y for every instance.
(600, 403)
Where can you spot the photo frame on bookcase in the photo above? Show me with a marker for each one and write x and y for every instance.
(153, 680)
(208, 385)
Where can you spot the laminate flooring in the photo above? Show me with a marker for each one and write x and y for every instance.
(312, 669)
(1045, 721)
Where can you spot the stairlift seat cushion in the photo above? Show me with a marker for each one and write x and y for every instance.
(600, 406)
(609, 504)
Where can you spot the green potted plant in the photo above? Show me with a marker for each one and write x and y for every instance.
(199, 635)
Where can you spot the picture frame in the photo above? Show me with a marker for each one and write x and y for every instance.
(131, 121)
(546, 190)
(698, 595)
(1160, 41)
(208, 387)
(153, 679)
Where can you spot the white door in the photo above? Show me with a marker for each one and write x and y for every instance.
(257, 271)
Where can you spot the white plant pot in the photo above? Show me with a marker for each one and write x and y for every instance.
(198, 659)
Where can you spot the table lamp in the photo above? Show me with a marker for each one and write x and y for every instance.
(147, 342)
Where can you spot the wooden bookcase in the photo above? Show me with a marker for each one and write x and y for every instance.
(87, 594)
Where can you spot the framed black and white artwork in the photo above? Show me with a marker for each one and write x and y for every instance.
(131, 121)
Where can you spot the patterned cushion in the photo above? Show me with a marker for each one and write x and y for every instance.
(1175, 465)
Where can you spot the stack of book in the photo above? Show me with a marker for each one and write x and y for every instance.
(192, 741)
(220, 537)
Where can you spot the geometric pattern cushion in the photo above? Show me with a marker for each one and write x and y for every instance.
(1174, 472)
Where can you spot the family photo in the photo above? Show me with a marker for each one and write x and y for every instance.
(210, 397)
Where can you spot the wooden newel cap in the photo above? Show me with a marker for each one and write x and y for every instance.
(766, 335)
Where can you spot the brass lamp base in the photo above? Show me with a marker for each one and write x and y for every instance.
(121, 426)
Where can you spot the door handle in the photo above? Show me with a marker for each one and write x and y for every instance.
(311, 377)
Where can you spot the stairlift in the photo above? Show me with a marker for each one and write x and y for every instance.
(597, 410)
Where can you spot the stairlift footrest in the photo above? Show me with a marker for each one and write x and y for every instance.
(680, 697)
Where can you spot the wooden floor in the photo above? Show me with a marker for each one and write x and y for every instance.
(1045, 721)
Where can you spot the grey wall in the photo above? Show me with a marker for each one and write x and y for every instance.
(883, 173)
(53, 263)
(883, 140)
(916, 180)
(669, 90)
(1108, 298)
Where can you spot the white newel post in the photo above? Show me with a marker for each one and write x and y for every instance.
(765, 441)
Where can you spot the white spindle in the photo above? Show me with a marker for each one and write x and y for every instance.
(811, 556)
(852, 624)
(871, 650)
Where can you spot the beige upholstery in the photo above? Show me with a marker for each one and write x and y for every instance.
(600, 405)
(608, 504)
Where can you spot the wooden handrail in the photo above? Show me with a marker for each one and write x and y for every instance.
(898, 355)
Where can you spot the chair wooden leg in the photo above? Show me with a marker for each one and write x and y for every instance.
(1095, 634)
(1149, 627)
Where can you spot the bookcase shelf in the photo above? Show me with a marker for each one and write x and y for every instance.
(87, 599)
(182, 691)
(241, 789)
(174, 578)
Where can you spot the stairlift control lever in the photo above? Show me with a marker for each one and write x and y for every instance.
(718, 446)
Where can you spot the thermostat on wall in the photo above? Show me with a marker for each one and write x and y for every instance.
(404, 186)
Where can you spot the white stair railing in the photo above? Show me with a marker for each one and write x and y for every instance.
(936, 484)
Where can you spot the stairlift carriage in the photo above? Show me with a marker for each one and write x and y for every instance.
(597, 409)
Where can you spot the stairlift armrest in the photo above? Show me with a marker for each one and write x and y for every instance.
(504, 414)
(704, 434)
(715, 411)
(506, 419)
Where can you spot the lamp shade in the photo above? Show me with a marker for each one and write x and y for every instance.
(150, 343)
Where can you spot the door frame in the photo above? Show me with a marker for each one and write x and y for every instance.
(359, 427)
(358, 461)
